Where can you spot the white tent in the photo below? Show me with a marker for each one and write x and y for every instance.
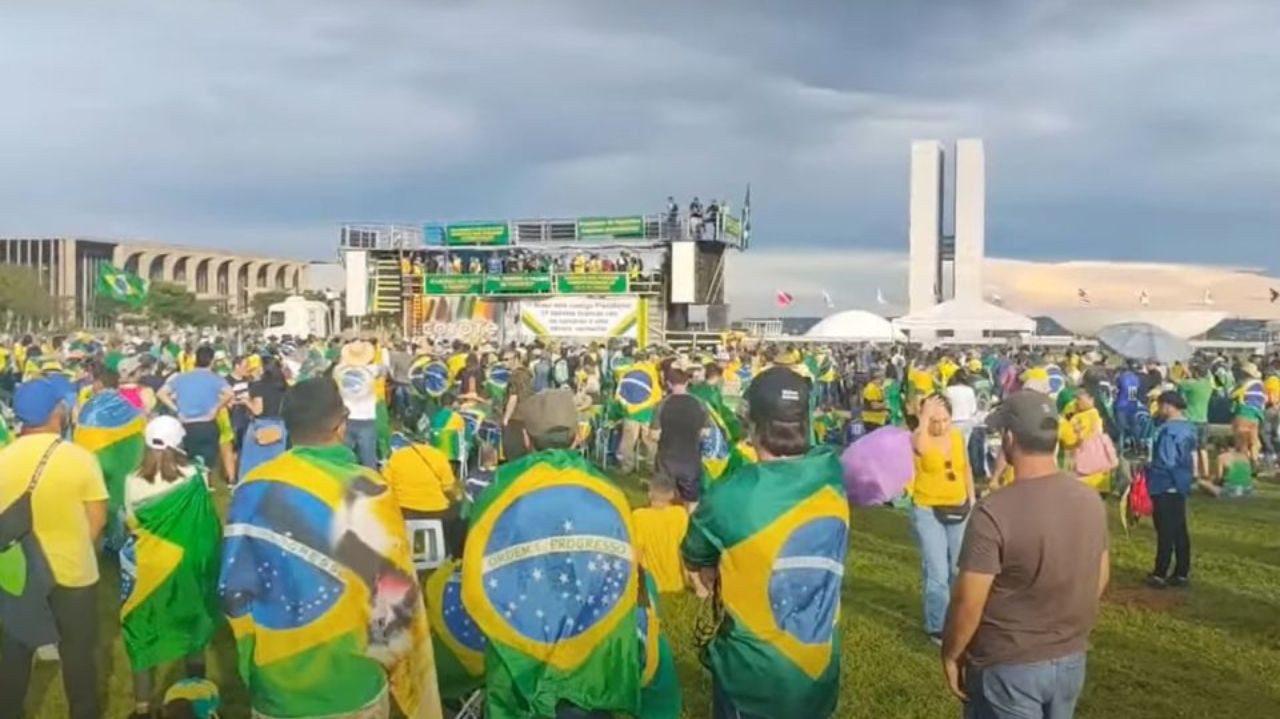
(855, 325)
(964, 318)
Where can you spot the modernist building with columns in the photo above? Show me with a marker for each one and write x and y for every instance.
(69, 268)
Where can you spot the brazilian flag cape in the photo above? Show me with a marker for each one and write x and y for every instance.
(660, 696)
(448, 431)
(778, 532)
(639, 390)
(459, 644)
(169, 575)
(496, 379)
(549, 574)
(112, 429)
(320, 590)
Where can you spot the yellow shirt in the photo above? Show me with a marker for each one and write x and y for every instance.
(1082, 426)
(921, 381)
(946, 370)
(874, 392)
(937, 485)
(421, 478)
(1272, 387)
(71, 478)
(659, 532)
(456, 364)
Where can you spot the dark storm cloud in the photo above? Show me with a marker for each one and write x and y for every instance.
(243, 123)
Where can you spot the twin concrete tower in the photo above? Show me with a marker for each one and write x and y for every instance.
(942, 266)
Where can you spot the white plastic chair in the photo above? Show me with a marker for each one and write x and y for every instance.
(426, 543)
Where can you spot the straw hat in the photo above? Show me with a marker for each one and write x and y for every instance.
(357, 353)
(1251, 370)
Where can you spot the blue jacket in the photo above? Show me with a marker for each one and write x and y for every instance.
(1173, 458)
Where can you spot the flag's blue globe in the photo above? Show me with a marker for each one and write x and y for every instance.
(456, 619)
(556, 562)
(804, 585)
(636, 387)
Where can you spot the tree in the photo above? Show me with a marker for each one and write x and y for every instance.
(264, 300)
(22, 295)
(173, 304)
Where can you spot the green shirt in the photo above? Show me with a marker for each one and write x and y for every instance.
(1197, 393)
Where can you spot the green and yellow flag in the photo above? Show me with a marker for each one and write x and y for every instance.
(778, 532)
(169, 575)
(121, 285)
(549, 574)
(112, 429)
(459, 644)
(319, 588)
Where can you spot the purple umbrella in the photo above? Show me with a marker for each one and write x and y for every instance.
(878, 466)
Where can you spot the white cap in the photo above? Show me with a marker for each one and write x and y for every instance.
(165, 433)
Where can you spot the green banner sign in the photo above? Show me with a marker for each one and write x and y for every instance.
(454, 284)
(624, 227)
(731, 227)
(517, 284)
(478, 233)
(593, 284)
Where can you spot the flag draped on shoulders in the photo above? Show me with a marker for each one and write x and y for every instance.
(112, 429)
(660, 695)
(320, 591)
(639, 390)
(169, 575)
(550, 577)
(778, 532)
(459, 644)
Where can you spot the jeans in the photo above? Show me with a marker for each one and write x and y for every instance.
(939, 563)
(1169, 512)
(362, 438)
(75, 611)
(202, 441)
(722, 706)
(1041, 690)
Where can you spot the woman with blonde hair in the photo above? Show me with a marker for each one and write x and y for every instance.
(169, 564)
(942, 494)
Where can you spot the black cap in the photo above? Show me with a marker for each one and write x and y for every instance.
(1173, 399)
(778, 394)
(1026, 413)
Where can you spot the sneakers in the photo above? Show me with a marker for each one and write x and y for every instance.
(1155, 582)
(936, 638)
(1178, 582)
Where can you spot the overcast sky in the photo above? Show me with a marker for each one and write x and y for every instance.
(1114, 130)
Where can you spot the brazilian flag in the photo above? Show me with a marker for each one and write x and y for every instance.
(496, 379)
(6, 434)
(459, 644)
(112, 429)
(448, 432)
(549, 574)
(778, 532)
(639, 390)
(121, 285)
(169, 575)
(660, 696)
(319, 588)
(429, 377)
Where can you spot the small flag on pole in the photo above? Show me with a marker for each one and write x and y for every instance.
(880, 300)
(1144, 299)
(996, 299)
(826, 300)
(1275, 295)
(784, 299)
(1083, 296)
(746, 219)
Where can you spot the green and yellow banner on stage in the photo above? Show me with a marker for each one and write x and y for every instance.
(609, 283)
(486, 234)
(618, 227)
(531, 284)
(453, 284)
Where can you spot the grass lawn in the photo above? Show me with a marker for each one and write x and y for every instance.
(1211, 651)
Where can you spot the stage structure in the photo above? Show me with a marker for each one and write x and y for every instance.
(492, 282)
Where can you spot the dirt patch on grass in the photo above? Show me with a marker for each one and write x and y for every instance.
(1145, 598)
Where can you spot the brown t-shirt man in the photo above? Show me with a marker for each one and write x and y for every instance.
(1043, 539)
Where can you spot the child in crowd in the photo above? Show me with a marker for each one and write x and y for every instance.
(1235, 472)
(659, 530)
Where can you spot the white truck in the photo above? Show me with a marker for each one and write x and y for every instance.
(299, 317)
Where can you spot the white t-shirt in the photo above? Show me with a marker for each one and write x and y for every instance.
(137, 490)
(356, 384)
(964, 403)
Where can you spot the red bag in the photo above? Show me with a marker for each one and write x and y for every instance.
(1139, 498)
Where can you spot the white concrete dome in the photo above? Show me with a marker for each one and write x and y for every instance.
(855, 325)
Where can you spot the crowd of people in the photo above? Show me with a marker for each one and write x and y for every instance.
(521, 261)
(432, 526)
